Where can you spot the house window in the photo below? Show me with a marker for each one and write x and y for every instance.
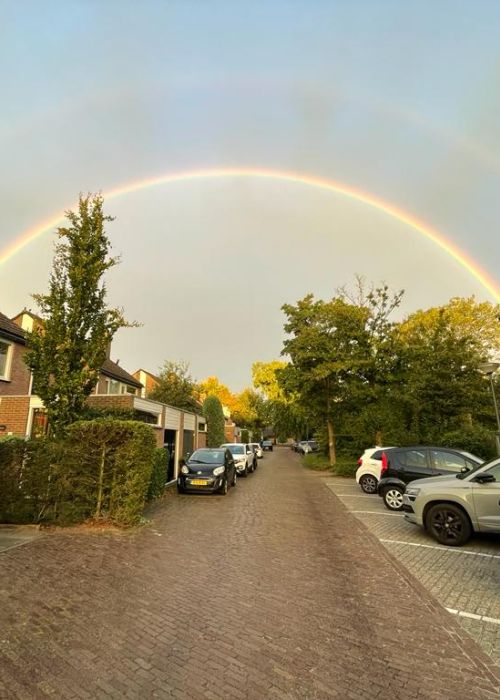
(5, 357)
(113, 386)
(40, 424)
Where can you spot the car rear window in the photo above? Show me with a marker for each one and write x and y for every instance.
(377, 454)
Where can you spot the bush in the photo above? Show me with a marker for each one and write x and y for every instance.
(101, 469)
(474, 438)
(318, 462)
(158, 473)
(212, 410)
(245, 435)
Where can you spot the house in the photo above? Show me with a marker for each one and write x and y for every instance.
(148, 381)
(22, 413)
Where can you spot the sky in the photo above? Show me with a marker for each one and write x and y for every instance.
(397, 100)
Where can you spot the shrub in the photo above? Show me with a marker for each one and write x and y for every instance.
(343, 467)
(474, 438)
(245, 435)
(212, 410)
(158, 473)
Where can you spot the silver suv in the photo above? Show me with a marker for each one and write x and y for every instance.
(452, 508)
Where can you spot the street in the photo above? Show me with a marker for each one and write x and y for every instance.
(273, 591)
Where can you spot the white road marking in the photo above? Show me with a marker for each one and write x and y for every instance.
(451, 550)
(473, 616)
(377, 512)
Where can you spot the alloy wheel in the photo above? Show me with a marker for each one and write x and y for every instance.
(447, 526)
(393, 499)
(368, 483)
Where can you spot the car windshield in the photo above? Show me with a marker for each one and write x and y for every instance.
(206, 457)
(237, 449)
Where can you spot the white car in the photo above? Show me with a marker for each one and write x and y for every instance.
(244, 457)
(369, 466)
(258, 449)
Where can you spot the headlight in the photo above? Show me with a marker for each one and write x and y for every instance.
(218, 471)
(412, 491)
(185, 470)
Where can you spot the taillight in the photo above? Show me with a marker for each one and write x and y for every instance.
(385, 463)
(360, 462)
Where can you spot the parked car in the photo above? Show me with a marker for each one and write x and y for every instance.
(257, 449)
(451, 508)
(400, 465)
(306, 446)
(267, 445)
(207, 470)
(369, 466)
(245, 458)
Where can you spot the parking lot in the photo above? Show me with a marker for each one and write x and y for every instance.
(465, 580)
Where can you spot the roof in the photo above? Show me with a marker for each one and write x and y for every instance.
(150, 374)
(11, 330)
(111, 369)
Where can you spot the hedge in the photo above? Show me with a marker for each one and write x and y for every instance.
(158, 473)
(101, 470)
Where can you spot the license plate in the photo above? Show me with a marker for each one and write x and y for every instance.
(197, 482)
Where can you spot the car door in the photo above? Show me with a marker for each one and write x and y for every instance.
(486, 499)
(447, 462)
(413, 464)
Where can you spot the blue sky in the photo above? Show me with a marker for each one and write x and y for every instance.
(400, 100)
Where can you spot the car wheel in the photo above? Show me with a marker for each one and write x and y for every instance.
(393, 498)
(245, 473)
(368, 483)
(180, 489)
(224, 488)
(235, 476)
(254, 464)
(448, 524)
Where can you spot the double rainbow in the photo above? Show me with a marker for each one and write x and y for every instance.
(470, 265)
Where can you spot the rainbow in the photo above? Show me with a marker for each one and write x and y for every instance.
(284, 176)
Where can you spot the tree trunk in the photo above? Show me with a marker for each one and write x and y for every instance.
(331, 441)
(378, 438)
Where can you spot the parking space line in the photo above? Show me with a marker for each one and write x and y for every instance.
(443, 549)
(474, 616)
(377, 512)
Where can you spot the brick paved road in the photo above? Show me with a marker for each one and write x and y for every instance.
(464, 579)
(274, 591)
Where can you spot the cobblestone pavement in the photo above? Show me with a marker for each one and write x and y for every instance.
(16, 535)
(273, 591)
(466, 580)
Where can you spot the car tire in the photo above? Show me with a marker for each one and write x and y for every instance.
(368, 483)
(245, 473)
(255, 464)
(393, 498)
(448, 524)
(235, 476)
(224, 488)
(180, 490)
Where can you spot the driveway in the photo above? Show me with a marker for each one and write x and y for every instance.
(273, 591)
(466, 580)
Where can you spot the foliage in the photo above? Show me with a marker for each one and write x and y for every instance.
(212, 410)
(245, 436)
(158, 473)
(100, 469)
(344, 466)
(265, 378)
(176, 387)
(212, 386)
(67, 351)
(474, 438)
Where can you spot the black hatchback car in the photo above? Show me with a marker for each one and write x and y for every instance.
(207, 470)
(400, 465)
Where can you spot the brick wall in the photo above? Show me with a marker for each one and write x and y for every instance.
(19, 380)
(111, 401)
(14, 411)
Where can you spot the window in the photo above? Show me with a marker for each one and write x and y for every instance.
(414, 458)
(201, 426)
(448, 461)
(113, 386)
(495, 471)
(5, 355)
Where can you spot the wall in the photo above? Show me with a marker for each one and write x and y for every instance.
(14, 412)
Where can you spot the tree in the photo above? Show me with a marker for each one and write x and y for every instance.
(329, 352)
(212, 410)
(176, 387)
(212, 386)
(66, 353)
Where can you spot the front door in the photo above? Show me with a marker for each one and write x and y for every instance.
(170, 442)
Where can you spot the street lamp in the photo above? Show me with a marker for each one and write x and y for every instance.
(489, 369)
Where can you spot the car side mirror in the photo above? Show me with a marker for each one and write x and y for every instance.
(484, 478)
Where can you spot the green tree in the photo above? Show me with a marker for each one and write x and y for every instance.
(212, 410)
(329, 350)
(66, 353)
(176, 387)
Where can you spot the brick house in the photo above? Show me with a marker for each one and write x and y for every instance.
(22, 413)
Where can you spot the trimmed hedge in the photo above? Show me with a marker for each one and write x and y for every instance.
(102, 469)
(158, 473)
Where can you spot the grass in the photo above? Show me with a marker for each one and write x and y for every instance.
(345, 466)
